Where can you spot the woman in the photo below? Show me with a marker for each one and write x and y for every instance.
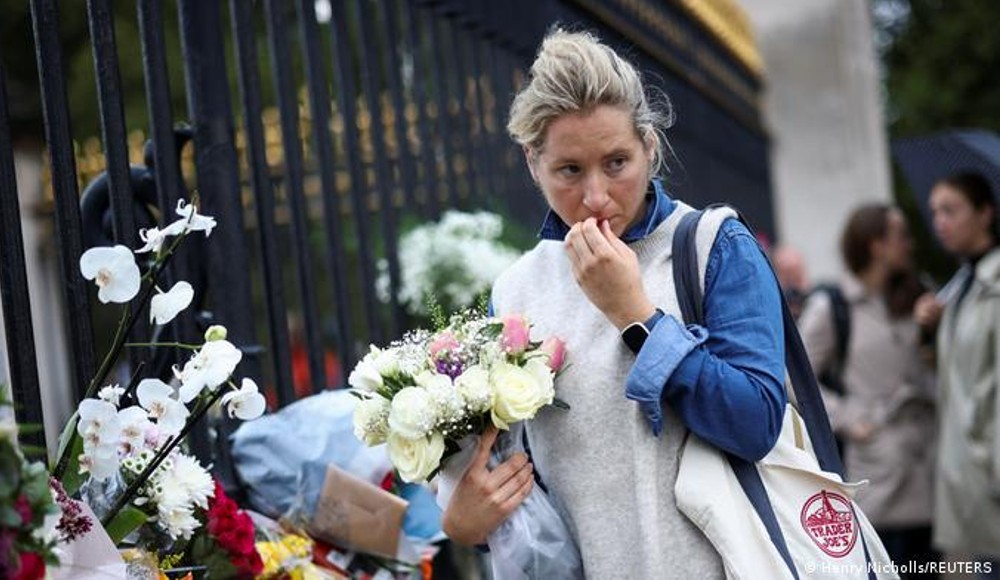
(601, 276)
(967, 496)
(885, 415)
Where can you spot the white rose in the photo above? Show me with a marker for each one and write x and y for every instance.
(385, 361)
(365, 377)
(412, 414)
(517, 394)
(415, 459)
(474, 387)
(371, 420)
(539, 368)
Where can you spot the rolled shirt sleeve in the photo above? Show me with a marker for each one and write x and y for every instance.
(724, 379)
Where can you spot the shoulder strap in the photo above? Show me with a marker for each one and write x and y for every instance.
(690, 297)
(807, 396)
(841, 312)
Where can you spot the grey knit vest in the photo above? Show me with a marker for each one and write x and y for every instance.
(613, 480)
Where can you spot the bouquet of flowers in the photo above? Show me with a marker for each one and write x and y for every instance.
(28, 511)
(456, 260)
(121, 449)
(425, 395)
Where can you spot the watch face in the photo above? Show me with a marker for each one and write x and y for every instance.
(634, 336)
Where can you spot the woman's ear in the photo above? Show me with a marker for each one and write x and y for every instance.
(530, 158)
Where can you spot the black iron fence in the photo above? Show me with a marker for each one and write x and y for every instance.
(316, 126)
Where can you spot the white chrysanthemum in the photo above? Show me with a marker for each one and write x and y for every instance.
(455, 259)
(474, 387)
(449, 404)
(371, 420)
(412, 413)
(191, 478)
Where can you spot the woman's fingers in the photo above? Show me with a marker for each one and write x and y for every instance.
(508, 469)
(486, 441)
(515, 499)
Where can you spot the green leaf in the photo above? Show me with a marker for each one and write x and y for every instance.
(72, 480)
(9, 518)
(127, 521)
(10, 469)
(560, 404)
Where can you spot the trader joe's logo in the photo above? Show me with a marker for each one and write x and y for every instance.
(828, 518)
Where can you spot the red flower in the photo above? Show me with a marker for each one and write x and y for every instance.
(32, 567)
(23, 508)
(233, 531)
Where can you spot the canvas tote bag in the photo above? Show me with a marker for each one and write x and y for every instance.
(790, 515)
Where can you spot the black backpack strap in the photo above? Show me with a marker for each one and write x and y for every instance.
(841, 312)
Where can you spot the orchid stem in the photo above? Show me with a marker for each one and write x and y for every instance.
(174, 344)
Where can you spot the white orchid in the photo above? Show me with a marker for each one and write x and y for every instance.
(154, 238)
(114, 271)
(99, 424)
(112, 394)
(191, 220)
(100, 462)
(134, 423)
(208, 368)
(246, 403)
(157, 398)
(166, 305)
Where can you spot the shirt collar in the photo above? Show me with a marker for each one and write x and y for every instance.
(659, 207)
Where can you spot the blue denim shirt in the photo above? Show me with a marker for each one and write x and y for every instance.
(725, 379)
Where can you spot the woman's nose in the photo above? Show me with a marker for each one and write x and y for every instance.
(595, 193)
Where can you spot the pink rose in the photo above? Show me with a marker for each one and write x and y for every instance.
(515, 337)
(556, 349)
(443, 341)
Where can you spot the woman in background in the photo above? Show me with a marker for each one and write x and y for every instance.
(885, 413)
(967, 495)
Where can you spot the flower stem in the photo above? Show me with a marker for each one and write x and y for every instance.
(162, 454)
(174, 344)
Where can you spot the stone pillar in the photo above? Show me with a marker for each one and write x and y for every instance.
(823, 108)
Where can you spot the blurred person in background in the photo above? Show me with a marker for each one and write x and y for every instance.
(885, 411)
(967, 496)
(790, 267)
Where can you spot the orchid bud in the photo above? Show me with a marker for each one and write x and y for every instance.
(216, 332)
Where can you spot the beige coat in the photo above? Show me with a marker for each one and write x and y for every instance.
(888, 387)
(967, 502)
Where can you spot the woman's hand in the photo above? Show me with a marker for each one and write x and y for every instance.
(607, 271)
(483, 499)
(927, 311)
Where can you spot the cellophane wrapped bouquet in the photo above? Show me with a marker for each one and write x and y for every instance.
(429, 395)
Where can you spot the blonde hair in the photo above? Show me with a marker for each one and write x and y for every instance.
(575, 72)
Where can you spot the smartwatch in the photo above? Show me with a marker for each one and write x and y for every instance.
(634, 335)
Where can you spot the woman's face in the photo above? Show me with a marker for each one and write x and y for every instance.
(897, 246)
(961, 227)
(594, 165)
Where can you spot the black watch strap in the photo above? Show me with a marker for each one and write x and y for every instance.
(634, 335)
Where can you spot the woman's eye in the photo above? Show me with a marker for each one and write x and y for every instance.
(569, 170)
(617, 164)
